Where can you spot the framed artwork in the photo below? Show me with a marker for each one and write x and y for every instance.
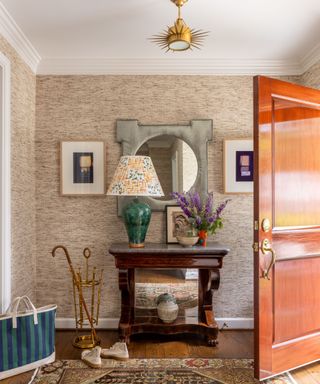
(238, 166)
(176, 221)
(82, 168)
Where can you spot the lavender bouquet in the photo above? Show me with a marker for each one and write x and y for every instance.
(201, 212)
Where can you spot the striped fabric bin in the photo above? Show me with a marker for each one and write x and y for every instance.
(27, 340)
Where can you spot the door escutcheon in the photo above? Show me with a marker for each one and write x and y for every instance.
(266, 225)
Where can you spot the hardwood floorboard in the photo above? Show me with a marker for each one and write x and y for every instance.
(24, 378)
(307, 375)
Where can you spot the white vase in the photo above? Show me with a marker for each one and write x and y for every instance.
(167, 308)
(187, 241)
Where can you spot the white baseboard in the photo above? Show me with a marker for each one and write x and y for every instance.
(109, 323)
(69, 323)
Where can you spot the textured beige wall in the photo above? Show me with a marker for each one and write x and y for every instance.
(311, 78)
(23, 86)
(86, 107)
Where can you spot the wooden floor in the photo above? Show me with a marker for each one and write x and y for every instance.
(233, 344)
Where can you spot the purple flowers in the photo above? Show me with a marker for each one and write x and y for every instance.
(201, 212)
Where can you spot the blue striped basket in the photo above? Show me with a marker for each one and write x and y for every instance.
(27, 339)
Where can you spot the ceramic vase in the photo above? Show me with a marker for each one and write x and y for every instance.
(136, 216)
(167, 308)
(188, 236)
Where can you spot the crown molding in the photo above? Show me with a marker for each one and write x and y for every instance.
(10, 30)
(166, 66)
(311, 58)
(147, 66)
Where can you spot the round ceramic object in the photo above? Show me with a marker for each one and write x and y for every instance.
(167, 308)
(187, 241)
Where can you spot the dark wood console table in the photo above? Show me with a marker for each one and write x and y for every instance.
(207, 259)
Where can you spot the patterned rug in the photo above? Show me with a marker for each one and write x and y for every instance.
(153, 371)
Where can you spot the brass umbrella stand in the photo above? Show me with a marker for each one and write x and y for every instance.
(82, 286)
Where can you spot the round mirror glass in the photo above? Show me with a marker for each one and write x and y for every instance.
(174, 161)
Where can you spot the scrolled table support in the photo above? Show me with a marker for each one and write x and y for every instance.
(126, 286)
(209, 280)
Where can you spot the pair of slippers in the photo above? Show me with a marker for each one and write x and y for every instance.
(92, 358)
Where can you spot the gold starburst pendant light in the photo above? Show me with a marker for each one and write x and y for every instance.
(180, 37)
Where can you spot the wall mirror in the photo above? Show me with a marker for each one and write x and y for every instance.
(179, 154)
(175, 163)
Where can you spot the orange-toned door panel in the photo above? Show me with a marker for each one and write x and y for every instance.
(287, 193)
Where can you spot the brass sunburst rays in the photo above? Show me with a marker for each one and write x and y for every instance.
(179, 37)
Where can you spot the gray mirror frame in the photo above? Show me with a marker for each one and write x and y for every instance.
(131, 134)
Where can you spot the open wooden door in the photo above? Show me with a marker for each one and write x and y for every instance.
(287, 226)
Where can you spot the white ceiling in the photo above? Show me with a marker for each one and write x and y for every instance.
(249, 33)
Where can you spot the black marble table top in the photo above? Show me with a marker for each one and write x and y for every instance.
(212, 248)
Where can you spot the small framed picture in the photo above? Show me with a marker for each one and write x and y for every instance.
(238, 166)
(176, 221)
(82, 168)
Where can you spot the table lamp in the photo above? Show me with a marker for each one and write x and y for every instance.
(136, 176)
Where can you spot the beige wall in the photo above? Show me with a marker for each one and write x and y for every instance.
(23, 85)
(86, 107)
(311, 78)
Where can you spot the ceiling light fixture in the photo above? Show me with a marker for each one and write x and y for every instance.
(179, 37)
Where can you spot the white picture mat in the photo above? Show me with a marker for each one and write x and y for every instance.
(230, 149)
(68, 187)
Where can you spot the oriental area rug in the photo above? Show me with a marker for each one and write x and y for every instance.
(153, 371)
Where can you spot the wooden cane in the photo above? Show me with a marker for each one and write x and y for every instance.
(75, 278)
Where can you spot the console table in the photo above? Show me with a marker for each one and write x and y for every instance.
(208, 260)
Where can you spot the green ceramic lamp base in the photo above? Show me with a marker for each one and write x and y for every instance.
(136, 216)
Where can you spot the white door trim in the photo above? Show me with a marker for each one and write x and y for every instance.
(5, 169)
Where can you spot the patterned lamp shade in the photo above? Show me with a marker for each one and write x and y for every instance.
(135, 176)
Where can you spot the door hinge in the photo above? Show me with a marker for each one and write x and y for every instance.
(256, 225)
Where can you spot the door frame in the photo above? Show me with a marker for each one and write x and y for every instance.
(5, 177)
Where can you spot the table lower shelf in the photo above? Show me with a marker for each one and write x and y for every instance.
(147, 321)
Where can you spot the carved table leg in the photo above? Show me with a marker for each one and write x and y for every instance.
(208, 281)
(126, 286)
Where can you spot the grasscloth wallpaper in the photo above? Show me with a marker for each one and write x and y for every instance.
(23, 88)
(311, 78)
(87, 107)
